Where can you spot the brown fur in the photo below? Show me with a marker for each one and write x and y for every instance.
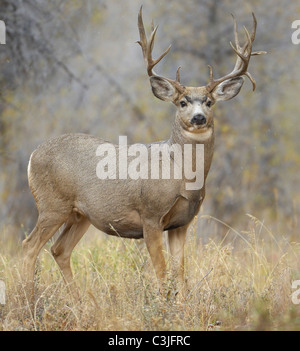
(63, 181)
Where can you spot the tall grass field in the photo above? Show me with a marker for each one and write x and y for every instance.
(241, 280)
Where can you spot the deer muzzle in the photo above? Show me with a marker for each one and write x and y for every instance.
(198, 119)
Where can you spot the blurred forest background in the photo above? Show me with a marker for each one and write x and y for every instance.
(74, 66)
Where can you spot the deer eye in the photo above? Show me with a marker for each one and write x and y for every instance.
(208, 104)
(182, 103)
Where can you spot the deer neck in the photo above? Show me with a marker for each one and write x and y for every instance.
(181, 136)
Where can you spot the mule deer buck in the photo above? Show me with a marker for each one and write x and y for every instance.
(63, 181)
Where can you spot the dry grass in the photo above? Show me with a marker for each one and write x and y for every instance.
(240, 282)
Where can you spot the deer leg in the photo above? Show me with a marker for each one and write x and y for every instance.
(153, 240)
(75, 228)
(45, 228)
(176, 239)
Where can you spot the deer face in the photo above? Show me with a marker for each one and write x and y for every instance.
(194, 105)
(194, 109)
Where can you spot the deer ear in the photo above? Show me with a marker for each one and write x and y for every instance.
(228, 89)
(163, 89)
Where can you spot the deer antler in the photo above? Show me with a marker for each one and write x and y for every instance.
(244, 54)
(147, 47)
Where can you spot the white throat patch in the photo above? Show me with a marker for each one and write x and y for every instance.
(200, 136)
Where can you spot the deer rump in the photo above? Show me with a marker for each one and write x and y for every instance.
(68, 180)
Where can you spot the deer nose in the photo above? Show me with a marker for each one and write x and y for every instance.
(198, 119)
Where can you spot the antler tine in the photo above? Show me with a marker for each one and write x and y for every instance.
(244, 54)
(147, 48)
(143, 39)
(178, 74)
(236, 37)
(254, 27)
